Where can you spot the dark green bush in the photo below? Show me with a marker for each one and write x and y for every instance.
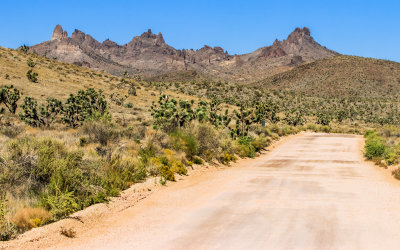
(10, 96)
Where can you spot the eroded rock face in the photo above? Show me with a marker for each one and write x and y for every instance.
(58, 33)
(149, 55)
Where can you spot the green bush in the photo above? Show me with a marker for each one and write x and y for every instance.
(244, 147)
(61, 204)
(184, 140)
(44, 115)
(10, 96)
(170, 114)
(86, 105)
(374, 145)
(260, 143)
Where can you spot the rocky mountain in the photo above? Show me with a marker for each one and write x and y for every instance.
(150, 56)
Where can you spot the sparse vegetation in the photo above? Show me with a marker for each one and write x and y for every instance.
(65, 153)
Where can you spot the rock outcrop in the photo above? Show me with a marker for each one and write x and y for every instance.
(149, 55)
(58, 33)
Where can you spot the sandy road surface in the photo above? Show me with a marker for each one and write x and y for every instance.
(312, 192)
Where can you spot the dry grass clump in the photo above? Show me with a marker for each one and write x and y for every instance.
(31, 217)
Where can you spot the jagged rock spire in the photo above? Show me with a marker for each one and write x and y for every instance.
(58, 33)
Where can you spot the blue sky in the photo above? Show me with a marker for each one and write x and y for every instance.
(365, 28)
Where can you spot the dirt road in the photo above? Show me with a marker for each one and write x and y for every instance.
(312, 192)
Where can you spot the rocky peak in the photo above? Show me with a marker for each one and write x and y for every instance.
(148, 34)
(58, 33)
(160, 38)
(298, 34)
(78, 36)
(109, 44)
(147, 39)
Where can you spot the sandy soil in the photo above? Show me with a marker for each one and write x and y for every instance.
(312, 192)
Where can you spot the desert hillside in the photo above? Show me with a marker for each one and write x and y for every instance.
(340, 76)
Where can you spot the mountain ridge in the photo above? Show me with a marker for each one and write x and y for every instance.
(149, 55)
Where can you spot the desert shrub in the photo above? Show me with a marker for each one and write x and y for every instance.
(101, 131)
(32, 76)
(117, 99)
(244, 147)
(31, 163)
(208, 141)
(197, 160)
(137, 133)
(260, 143)
(147, 152)
(167, 173)
(311, 126)
(9, 95)
(11, 130)
(86, 105)
(374, 145)
(323, 118)
(44, 115)
(173, 162)
(379, 162)
(120, 173)
(128, 105)
(30, 63)
(294, 118)
(244, 118)
(50, 111)
(61, 204)
(184, 140)
(30, 114)
(24, 48)
(262, 131)
(7, 228)
(170, 114)
(396, 173)
(29, 217)
(68, 232)
(226, 158)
